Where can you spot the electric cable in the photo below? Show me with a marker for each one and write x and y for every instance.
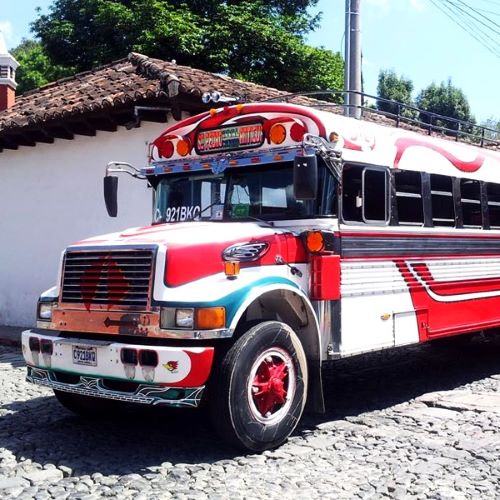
(473, 17)
(447, 10)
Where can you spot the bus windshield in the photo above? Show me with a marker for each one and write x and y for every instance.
(238, 193)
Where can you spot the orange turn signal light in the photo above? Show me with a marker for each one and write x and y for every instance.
(231, 268)
(315, 241)
(277, 134)
(183, 147)
(209, 318)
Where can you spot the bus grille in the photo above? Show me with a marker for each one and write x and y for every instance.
(113, 277)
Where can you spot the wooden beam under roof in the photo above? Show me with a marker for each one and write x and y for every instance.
(60, 131)
(103, 122)
(81, 127)
(23, 140)
(7, 143)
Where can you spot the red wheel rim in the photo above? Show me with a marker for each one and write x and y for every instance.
(271, 385)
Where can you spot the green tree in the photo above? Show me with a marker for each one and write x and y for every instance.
(494, 126)
(258, 40)
(35, 67)
(446, 100)
(394, 88)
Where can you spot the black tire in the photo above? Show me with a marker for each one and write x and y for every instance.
(87, 406)
(260, 388)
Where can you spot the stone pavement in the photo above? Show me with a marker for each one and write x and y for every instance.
(412, 423)
(11, 335)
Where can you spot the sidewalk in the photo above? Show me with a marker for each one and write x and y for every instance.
(11, 335)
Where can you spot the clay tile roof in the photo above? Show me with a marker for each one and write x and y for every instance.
(89, 91)
(196, 81)
(125, 83)
(122, 82)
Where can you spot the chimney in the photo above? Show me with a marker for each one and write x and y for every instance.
(8, 66)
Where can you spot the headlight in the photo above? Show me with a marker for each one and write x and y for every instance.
(184, 318)
(199, 318)
(45, 311)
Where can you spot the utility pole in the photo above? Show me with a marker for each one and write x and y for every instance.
(352, 72)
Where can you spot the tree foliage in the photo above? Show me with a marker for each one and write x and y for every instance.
(494, 129)
(35, 67)
(394, 88)
(446, 100)
(258, 40)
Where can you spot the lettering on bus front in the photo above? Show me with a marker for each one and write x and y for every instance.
(229, 138)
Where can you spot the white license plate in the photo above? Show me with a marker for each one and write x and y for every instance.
(83, 355)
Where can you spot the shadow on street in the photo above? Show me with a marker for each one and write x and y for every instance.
(43, 431)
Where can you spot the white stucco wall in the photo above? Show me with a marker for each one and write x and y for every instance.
(50, 196)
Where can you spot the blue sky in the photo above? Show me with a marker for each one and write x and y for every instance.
(410, 36)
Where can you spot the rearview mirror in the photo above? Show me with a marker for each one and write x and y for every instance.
(111, 195)
(305, 177)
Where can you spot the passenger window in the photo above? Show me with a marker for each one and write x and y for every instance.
(364, 194)
(470, 192)
(351, 193)
(443, 209)
(375, 207)
(493, 192)
(409, 197)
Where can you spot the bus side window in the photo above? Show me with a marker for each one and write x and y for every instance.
(351, 193)
(375, 207)
(443, 208)
(408, 190)
(493, 192)
(365, 194)
(470, 194)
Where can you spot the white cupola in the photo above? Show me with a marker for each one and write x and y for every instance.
(8, 67)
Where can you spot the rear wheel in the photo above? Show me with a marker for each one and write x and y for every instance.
(260, 388)
(86, 406)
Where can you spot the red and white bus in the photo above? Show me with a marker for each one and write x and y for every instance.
(283, 237)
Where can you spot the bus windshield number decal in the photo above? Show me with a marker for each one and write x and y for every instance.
(178, 214)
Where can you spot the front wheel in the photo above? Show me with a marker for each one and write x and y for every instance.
(260, 389)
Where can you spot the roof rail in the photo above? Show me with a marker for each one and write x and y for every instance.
(401, 113)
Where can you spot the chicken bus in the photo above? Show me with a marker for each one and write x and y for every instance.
(283, 237)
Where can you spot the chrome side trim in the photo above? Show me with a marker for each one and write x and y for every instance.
(145, 394)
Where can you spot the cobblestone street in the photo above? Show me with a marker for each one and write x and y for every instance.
(419, 422)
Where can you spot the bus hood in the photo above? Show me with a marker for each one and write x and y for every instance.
(194, 249)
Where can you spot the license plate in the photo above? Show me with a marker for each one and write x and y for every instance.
(83, 355)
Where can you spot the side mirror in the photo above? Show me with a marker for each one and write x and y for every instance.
(305, 177)
(111, 195)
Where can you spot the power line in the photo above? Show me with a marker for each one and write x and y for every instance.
(448, 11)
(473, 17)
(494, 2)
(477, 31)
(479, 28)
(468, 19)
(492, 13)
